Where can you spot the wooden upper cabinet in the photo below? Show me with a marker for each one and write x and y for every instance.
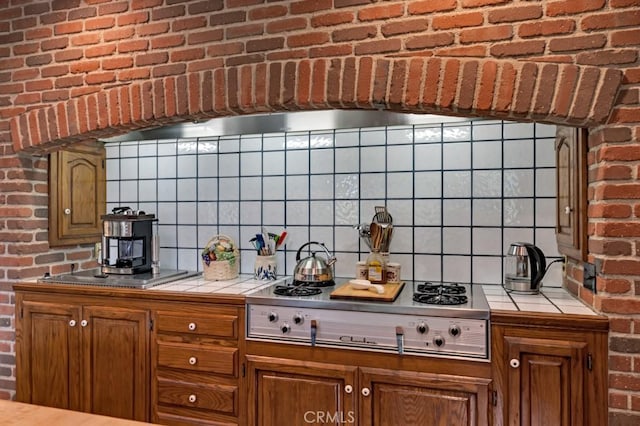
(77, 195)
(571, 192)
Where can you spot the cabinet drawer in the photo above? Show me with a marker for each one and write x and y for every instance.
(206, 358)
(220, 398)
(225, 326)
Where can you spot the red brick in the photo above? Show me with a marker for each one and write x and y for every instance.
(363, 84)
(331, 19)
(624, 3)
(468, 51)
(610, 172)
(430, 41)
(267, 12)
(318, 82)
(99, 23)
(414, 82)
(405, 26)
(188, 23)
(381, 46)
(600, 21)
(545, 92)
(205, 36)
(169, 12)
(480, 3)
(619, 191)
(608, 57)
(501, 32)
(625, 115)
(568, 7)
(430, 6)
(573, 43)
(225, 18)
(620, 324)
(621, 305)
(610, 248)
(619, 153)
(351, 33)
(505, 88)
(344, 49)
(624, 38)
(349, 79)
(285, 25)
(307, 39)
(264, 44)
(382, 69)
(458, 20)
(626, 382)
(518, 48)
(448, 89)
(310, 6)
(467, 86)
(618, 229)
(385, 11)
(514, 14)
(620, 363)
(485, 94)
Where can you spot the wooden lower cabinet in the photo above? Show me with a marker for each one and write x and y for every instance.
(83, 357)
(546, 375)
(293, 392)
(196, 377)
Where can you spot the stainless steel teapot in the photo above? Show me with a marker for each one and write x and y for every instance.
(313, 270)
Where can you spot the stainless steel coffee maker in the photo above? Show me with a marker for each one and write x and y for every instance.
(129, 244)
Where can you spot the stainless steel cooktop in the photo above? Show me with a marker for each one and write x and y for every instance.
(140, 281)
(475, 307)
(403, 326)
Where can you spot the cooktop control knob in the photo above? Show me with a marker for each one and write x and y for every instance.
(273, 317)
(298, 318)
(454, 330)
(422, 328)
(285, 328)
(438, 341)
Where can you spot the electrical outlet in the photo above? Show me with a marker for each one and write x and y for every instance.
(589, 276)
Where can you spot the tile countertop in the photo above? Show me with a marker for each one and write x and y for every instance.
(550, 299)
(242, 285)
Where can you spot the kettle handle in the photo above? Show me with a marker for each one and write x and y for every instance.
(330, 259)
(538, 266)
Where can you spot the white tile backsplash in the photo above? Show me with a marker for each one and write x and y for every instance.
(459, 193)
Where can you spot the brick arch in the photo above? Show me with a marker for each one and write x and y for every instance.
(549, 92)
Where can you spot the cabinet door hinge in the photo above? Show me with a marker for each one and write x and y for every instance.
(151, 324)
(244, 370)
(589, 362)
(494, 398)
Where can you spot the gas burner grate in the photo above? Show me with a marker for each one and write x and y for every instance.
(328, 283)
(441, 288)
(295, 291)
(440, 294)
(440, 299)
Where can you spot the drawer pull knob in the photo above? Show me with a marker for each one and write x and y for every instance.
(193, 360)
(348, 389)
(192, 398)
(366, 392)
(515, 363)
(192, 326)
(72, 323)
(84, 323)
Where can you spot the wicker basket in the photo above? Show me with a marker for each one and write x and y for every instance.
(220, 270)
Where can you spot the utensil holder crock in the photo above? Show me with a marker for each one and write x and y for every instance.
(266, 268)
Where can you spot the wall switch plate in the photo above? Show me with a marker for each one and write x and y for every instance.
(589, 276)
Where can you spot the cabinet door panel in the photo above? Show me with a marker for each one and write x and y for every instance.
(546, 386)
(116, 352)
(571, 195)
(77, 195)
(48, 353)
(297, 393)
(422, 399)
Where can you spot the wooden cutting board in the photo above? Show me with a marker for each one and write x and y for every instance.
(345, 291)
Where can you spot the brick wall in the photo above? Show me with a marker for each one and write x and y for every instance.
(73, 70)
